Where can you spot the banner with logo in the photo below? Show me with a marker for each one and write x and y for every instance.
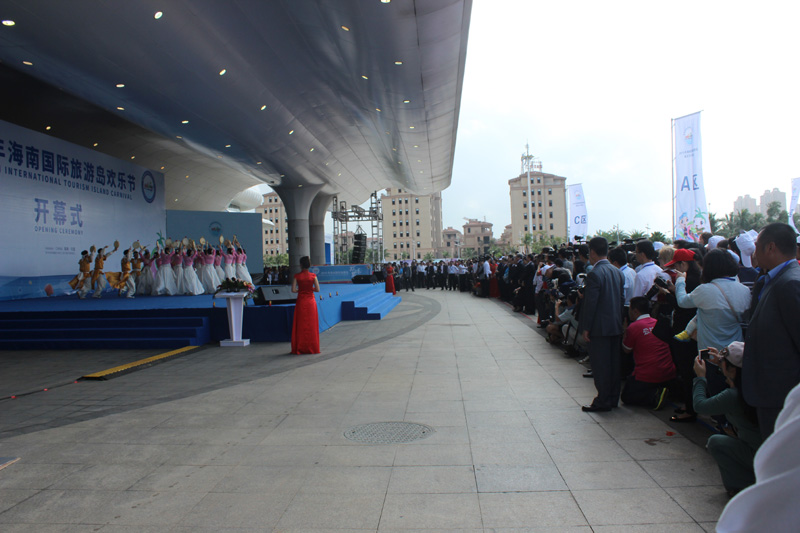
(793, 202)
(60, 198)
(578, 220)
(691, 211)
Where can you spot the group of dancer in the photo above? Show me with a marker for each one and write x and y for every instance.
(177, 268)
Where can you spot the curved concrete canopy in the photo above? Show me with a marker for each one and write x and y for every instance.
(339, 112)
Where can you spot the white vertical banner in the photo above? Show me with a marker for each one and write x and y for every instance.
(793, 202)
(691, 210)
(578, 219)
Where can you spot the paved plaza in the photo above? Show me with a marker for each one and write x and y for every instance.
(251, 439)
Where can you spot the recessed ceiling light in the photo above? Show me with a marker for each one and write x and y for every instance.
(27, 63)
(95, 144)
(258, 162)
(311, 150)
(398, 62)
(8, 23)
(176, 199)
(178, 137)
(48, 128)
(184, 121)
(411, 127)
(157, 16)
(187, 176)
(223, 71)
(133, 157)
(377, 109)
(385, 1)
(406, 101)
(291, 131)
(227, 146)
(345, 28)
(120, 85)
(299, 185)
(162, 168)
(395, 149)
(416, 146)
(121, 108)
(263, 107)
(283, 175)
(366, 78)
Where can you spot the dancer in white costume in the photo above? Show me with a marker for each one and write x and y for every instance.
(218, 265)
(165, 278)
(191, 285)
(146, 280)
(230, 263)
(241, 266)
(177, 267)
(208, 274)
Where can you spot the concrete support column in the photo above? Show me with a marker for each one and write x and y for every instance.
(317, 227)
(297, 202)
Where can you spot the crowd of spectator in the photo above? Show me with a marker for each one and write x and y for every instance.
(710, 325)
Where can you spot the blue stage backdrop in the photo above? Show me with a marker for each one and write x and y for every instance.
(212, 225)
(59, 198)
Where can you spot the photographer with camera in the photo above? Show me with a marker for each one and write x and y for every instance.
(647, 271)
(565, 321)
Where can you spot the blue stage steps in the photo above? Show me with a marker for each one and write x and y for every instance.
(92, 332)
(369, 304)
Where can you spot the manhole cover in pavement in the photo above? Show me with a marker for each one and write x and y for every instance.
(388, 432)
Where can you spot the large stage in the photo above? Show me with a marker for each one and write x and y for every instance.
(171, 321)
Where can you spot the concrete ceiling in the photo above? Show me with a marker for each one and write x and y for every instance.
(338, 111)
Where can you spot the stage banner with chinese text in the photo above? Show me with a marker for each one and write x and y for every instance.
(60, 198)
(578, 218)
(691, 211)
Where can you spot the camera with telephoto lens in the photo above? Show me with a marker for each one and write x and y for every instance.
(661, 282)
(653, 291)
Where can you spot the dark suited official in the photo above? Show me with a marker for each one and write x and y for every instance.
(601, 325)
(771, 365)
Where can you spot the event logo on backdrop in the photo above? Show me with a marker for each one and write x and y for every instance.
(691, 212)
(60, 198)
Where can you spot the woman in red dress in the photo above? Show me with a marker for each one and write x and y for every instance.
(388, 272)
(305, 326)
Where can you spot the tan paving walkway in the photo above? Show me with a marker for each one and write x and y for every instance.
(511, 449)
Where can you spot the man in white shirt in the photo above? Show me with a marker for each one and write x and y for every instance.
(647, 271)
(619, 258)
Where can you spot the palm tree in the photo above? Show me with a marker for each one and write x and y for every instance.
(657, 236)
(638, 234)
(468, 253)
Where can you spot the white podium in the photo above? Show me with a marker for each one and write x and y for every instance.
(235, 304)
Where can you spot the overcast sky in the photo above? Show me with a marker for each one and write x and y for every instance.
(592, 86)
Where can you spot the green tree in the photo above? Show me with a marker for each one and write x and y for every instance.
(714, 224)
(737, 222)
(527, 241)
(776, 214)
(405, 255)
(638, 234)
(276, 260)
(468, 253)
(428, 257)
(657, 236)
(795, 218)
(445, 254)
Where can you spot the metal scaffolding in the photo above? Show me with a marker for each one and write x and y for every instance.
(342, 216)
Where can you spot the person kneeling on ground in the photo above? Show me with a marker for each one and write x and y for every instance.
(653, 366)
(734, 455)
(565, 316)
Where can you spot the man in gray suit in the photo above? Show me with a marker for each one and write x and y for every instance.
(771, 366)
(601, 324)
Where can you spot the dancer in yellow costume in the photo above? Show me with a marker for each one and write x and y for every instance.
(80, 282)
(123, 281)
(98, 278)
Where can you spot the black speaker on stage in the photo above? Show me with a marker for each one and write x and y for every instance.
(359, 247)
(364, 278)
(276, 294)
